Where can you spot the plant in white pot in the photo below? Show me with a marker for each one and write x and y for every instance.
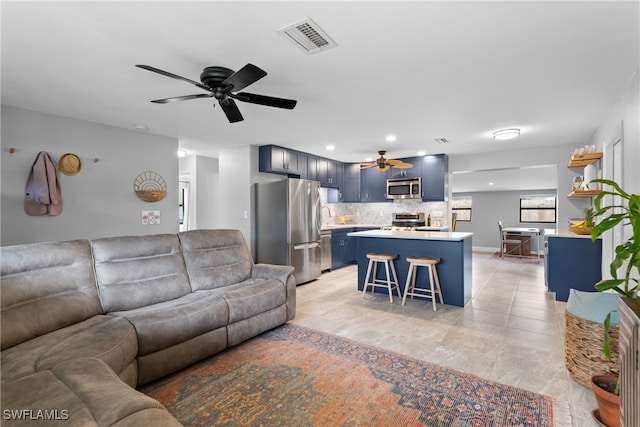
(627, 262)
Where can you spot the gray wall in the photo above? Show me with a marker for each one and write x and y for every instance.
(97, 202)
(492, 206)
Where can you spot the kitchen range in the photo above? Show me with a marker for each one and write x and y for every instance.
(406, 221)
(413, 221)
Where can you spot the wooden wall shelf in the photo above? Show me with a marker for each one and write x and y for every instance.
(583, 193)
(582, 160)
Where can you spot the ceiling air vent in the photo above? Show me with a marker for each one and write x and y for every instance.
(308, 36)
(441, 140)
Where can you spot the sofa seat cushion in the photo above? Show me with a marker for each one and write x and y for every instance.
(111, 339)
(78, 392)
(250, 297)
(168, 323)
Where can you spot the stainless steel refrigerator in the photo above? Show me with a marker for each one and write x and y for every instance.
(287, 223)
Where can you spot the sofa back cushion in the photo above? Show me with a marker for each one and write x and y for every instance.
(45, 287)
(136, 271)
(215, 258)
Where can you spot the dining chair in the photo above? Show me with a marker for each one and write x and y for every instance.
(508, 239)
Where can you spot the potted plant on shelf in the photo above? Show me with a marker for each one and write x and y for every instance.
(627, 259)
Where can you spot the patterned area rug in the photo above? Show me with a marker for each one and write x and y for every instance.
(295, 376)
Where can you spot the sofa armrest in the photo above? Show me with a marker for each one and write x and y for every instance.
(284, 274)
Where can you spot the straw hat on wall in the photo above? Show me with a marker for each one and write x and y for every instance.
(69, 164)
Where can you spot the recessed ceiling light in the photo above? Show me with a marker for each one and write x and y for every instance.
(390, 138)
(421, 153)
(506, 133)
(139, 126)
(182, 153)
(331, 147)
(491, 183)
(368, 159)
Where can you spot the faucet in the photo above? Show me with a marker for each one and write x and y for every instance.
(328, 210)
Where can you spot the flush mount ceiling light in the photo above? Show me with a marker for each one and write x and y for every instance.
(506, 133)
(390, 138)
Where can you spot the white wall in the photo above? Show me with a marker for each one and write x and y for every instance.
(234, 190)
(203, 176)
(100, 200)
(625, 116)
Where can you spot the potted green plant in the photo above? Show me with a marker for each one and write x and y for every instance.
(626, 260)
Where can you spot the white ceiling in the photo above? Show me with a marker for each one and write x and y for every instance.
(418, 70)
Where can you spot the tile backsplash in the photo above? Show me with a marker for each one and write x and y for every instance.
(380, 213)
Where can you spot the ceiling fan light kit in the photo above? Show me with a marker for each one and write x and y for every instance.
(504, 134)
(222, 84)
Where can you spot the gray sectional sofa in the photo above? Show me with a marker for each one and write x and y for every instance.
(85, 322)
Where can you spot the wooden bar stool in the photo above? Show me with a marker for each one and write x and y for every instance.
(410, 286)
(373, 281)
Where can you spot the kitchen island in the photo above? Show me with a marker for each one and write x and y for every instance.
(453, 249)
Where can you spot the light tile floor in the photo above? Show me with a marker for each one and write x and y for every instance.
(511, 331)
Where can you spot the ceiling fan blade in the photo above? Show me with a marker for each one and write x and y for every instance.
(399, 164)
(231, 110)
(244, 77)
(182, 98)
(367, 165)
(269, 101)
(403, 166)
(173, 76)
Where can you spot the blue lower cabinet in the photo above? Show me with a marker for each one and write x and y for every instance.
(343, 250)
(572, 263)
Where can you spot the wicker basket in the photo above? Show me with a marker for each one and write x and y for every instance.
(151, 195)
(583, 342)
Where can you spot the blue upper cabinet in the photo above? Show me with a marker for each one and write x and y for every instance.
(435, 181)
(350, 183)
(414, 172)
(373, 185)
(274, 159)
(328, 173)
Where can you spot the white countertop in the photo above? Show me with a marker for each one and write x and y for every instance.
(567, 233)
(342, 226)
(421, 235)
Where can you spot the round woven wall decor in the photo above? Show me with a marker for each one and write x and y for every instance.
(150, 186)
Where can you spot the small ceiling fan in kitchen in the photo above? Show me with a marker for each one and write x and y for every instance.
(222, 84)
(385, 164)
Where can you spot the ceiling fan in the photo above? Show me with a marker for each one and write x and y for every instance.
(385, 164)
(223, 84)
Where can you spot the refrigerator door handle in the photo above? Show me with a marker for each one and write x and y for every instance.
(307, 246)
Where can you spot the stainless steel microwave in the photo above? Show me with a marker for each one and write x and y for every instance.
(404, 188)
